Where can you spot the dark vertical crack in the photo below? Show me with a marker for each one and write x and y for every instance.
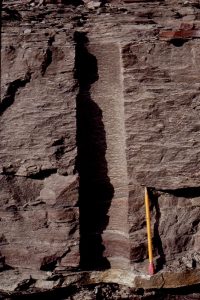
(96, 191)
(157, 242)
(12, 89)
(48, 56)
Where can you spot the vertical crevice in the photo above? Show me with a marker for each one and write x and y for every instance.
(157, 242)
(48, 56)
(96, 191)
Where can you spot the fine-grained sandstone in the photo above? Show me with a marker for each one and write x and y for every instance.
(99, 100)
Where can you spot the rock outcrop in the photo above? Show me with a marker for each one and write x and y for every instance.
(99, 100)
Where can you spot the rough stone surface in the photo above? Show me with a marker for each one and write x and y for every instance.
(39, 193)
(99, 100)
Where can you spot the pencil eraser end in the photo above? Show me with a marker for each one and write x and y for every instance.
(151, 268)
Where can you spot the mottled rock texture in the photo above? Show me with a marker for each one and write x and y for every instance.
(99, 100)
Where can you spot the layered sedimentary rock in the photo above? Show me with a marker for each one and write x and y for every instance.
(162, 121)
(97, 101)
(101, 153)
(39, 193)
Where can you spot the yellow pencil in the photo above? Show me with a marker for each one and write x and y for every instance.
(150, 252)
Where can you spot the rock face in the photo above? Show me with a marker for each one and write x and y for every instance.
(99, 100)
(39, 193)
(161, 104)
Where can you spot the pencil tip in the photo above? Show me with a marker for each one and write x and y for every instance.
(151, 268)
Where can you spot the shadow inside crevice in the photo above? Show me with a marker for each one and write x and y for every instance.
(95, 191)
(157, 242)
(188, 192)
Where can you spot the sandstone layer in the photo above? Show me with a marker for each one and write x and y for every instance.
(99, 100)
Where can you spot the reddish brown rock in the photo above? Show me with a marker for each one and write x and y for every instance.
(98, 101)
(180, 34)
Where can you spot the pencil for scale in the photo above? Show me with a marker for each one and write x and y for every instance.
(150, 251)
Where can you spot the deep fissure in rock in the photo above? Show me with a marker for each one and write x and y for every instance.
(157, 242)
(96, 191)
(48, 56)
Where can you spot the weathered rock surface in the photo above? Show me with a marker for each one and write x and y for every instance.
(97, 101)
(39, 193)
